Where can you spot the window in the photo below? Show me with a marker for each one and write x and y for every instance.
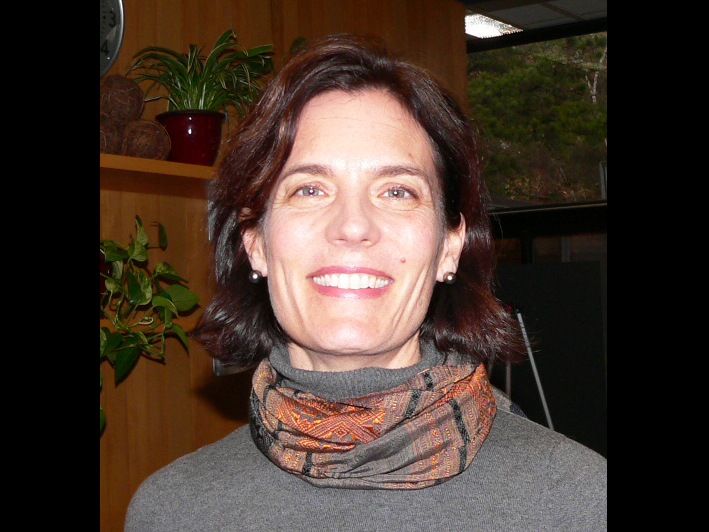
(542, 113)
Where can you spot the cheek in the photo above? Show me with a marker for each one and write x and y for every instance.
(416, 249)
(285, 238)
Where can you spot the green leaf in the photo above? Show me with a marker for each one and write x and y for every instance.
(182, 297)
(297, 43)
(157, 51)
(143, 341)
(260, 50)
(146, 288)
(126, 360)
(162, 237)
(135, 290)
(180, 333)
(113, 251)
(103, 339)
(224, 43)
(163, 302)
(117, 269)
(137, 251)
(109, 342)
(165, 271)
(141, 236)
(113, 286)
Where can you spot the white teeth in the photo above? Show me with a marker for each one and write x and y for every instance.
(355, 281)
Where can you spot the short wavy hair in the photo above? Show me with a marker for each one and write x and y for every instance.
(239, 326)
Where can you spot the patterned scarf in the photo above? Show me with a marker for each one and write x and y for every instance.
(419, 434)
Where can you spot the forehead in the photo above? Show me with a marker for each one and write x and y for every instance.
(358, 129)
(352, 105)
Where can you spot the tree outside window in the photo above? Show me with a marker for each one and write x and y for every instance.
(542, 114)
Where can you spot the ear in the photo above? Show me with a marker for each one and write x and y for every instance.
(255, 247)
(452, 249)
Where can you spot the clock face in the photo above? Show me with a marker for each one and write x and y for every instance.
(112, 24)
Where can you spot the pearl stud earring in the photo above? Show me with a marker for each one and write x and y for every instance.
(450, 278)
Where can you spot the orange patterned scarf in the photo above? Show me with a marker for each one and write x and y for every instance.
(419, 434)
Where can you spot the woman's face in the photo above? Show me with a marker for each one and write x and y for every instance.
(353, 241)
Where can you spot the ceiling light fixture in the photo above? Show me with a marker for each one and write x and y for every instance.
(485, 27)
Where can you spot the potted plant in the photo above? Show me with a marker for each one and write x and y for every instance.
(201, 90)
(138, 305)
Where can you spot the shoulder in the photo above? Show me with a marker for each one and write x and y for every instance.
(228, 456)
(197, 481)
(554, 478)
(522, 437)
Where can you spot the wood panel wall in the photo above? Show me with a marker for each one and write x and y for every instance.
(428, 32)
(162, 412)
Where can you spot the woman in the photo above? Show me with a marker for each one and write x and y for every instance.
(354, 264)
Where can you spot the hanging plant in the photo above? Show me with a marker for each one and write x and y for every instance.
(138, 306)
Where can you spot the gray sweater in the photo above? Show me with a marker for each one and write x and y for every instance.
(525, 478)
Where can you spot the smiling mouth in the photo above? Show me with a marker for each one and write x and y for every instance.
(352, 281)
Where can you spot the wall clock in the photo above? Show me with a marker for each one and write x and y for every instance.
(112, 26)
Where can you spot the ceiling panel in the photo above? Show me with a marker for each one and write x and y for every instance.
(538, 20)
(531, 17)
(585, 9)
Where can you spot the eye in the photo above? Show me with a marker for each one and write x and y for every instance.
(399, 193)
(309, 191)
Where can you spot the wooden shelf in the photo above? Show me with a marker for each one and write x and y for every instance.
(121, 163)
(155, 178)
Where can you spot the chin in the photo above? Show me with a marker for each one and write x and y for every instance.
(348, 341)
(347, 336)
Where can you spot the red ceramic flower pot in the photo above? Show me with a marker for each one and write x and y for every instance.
(195, 136)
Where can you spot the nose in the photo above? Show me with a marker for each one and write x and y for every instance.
(353, 222)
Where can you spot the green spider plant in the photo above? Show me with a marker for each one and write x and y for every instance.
(227, 78)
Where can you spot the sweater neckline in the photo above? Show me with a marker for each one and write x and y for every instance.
(339, 385)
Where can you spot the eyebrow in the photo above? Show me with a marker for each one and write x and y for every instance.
(379, 171)
(311, 169)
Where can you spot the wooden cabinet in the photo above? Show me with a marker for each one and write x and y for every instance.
(162, 411)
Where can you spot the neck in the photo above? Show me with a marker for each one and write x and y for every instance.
(337, 385)
(403, 357)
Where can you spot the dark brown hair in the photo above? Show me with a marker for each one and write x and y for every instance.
(239, 327)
